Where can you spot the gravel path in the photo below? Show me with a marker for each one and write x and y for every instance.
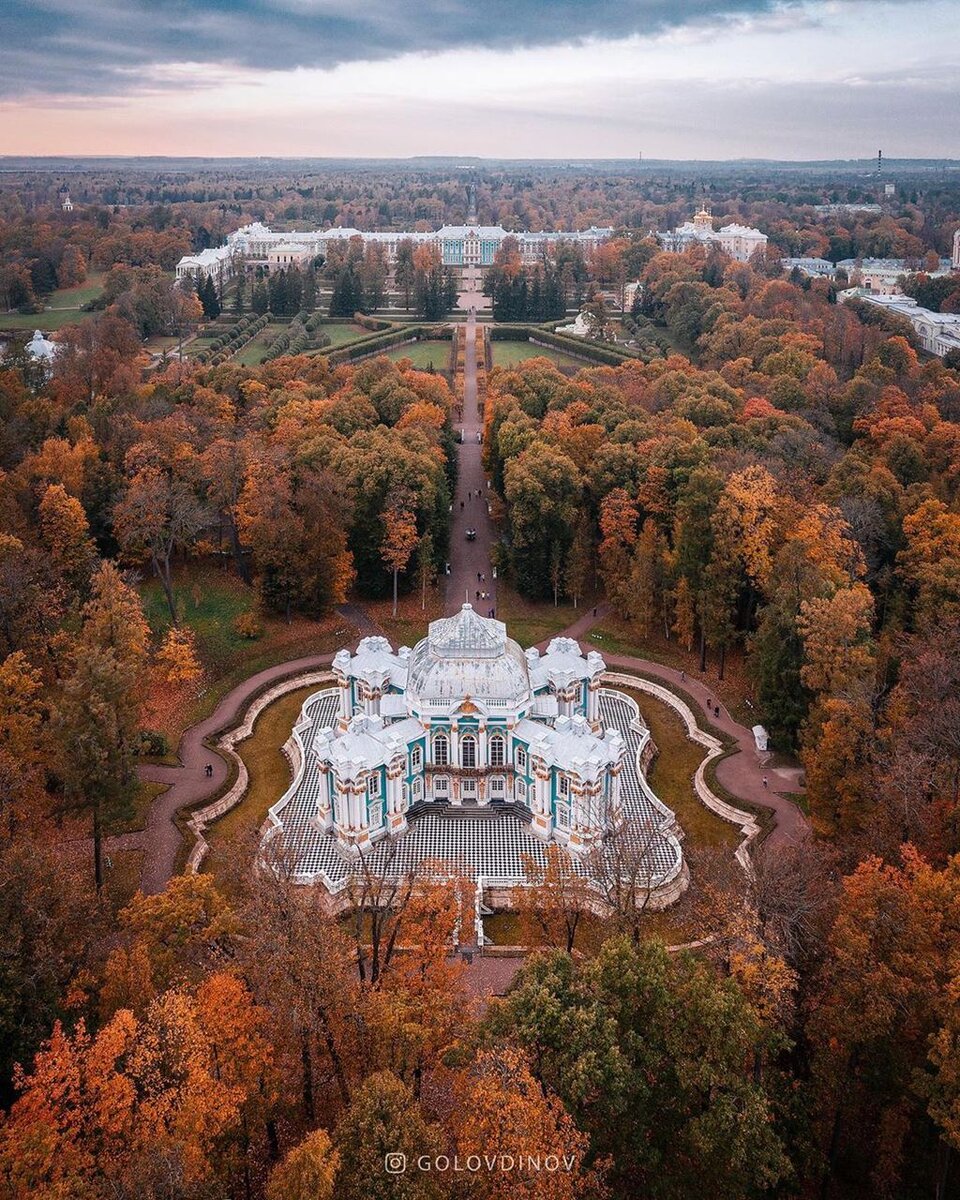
(471, 559)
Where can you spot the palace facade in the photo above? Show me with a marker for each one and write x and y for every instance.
(741, 242)
(459, 246)
(468, 749)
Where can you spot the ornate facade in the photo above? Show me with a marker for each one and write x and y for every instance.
(741, 242)
(467, 718)
(471, 752)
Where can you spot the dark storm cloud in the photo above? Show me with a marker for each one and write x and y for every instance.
(89, 47)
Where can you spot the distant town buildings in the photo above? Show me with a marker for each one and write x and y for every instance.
(956, 251)
(881, 276)
(459, 246)
(841, 210)
(939, 333)
(741, 242)
(65, 202)
(816, 268)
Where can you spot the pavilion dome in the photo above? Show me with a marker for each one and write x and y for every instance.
(467, 656)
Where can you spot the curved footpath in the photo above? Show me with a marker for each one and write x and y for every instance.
(741, 773)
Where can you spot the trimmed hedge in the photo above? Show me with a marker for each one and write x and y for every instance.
(375, 343)
(611, 356)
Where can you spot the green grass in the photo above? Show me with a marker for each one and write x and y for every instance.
(617, 636)
(83, 293)
(48, 321)
(253, 351)
(137, 820)
(423, 355)
(269, 773)
(341, 333)
(509, 354)
(209, 600)
(529, 623)
(64, 307)
(671, 775)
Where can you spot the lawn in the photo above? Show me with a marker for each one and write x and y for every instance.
(509, 354)
(253, 351)
(48, 321)
(672, 771)
(424, 355)
(341, 333)
(82, 293)
(209, 600)
(269, 773)
(529, 622)
(64, 307)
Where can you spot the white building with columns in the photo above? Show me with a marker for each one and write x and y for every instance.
(469, 748)
(741, 242)
(459, 246)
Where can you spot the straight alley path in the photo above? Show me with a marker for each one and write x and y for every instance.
(469, 560)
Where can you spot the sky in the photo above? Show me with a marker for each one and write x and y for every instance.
(706, 79)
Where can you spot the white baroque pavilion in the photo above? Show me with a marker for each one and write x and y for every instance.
(468, 749)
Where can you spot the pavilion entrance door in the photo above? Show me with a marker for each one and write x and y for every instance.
(468, 791)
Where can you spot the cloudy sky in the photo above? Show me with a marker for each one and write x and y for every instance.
(507, 78)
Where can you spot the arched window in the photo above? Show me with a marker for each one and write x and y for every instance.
(521, 759)
(468, 751)
(520, 791)
(416, 758)
(497, 751)
(417, 790)
(441, 750)
(563, 786)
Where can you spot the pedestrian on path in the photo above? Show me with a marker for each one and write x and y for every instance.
(683, 677)
(208, 771)
(764, 781)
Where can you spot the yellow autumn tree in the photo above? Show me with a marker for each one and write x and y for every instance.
(176, 662)
(838, 653)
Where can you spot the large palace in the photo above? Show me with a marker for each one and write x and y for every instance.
(468, 750)
(459, 246)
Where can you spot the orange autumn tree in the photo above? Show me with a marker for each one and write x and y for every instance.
(399, 539)
(414, 1007)
(143, 1103)
(500, 1110)
(884, 1000)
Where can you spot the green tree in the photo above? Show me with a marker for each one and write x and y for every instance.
(661, 1062)
(384, 1120)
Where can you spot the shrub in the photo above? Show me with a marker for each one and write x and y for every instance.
(153, 744)
(248, 625)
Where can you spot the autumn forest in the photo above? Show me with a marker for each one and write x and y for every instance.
(742, 479)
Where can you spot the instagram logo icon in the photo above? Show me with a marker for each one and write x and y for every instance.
(395, 1163)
